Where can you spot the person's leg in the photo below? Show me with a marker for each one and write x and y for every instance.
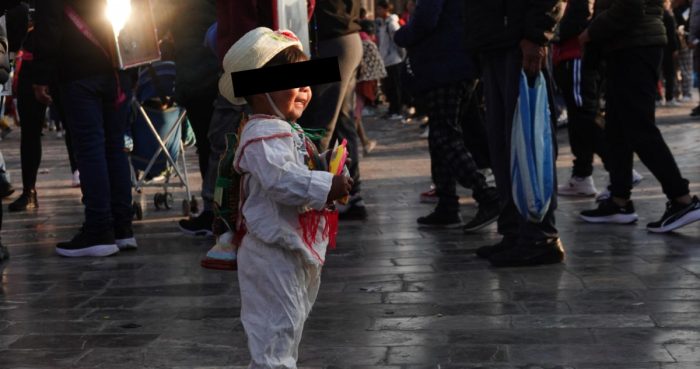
(669, 69)
(685, 64)
(525, 243)
(327, 100)
(331, 108)
(32, 114)
(473, 128)
(392, 88)
(642, 134)
(277, 292)
(225, 119)
(115, 124)
(83, 102)
(199, 113)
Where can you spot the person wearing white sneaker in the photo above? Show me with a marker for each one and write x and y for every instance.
(632, 73)
(579, 79)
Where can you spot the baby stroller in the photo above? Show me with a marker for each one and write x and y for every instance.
(157, 126)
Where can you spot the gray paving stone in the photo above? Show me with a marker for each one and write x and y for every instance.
(392, 296)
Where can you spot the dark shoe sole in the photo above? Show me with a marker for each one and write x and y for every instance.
(480, 226)
(554, 255)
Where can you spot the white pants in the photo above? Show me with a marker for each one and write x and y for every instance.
(277, 292)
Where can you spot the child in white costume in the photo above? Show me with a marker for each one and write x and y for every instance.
(279, 265)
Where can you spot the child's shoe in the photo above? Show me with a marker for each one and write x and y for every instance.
(223, 255)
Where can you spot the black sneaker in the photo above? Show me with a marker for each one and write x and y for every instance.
(26, 201)
(354, 210)
(676, 216)
(200, 225)
(6, 189)
(487, 214)
(545, 252)
(609, 212)
(4, 253)
(124, 238)
(507, 243)
(83, 244)
(441, 219)
(695, 112)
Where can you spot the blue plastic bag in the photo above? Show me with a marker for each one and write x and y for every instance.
(531, 155)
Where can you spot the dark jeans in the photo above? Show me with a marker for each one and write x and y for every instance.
(501, 77)
(199, 113)
(630, 126)
(392, 88)
(668, 69)
(473, 129)
(332, 104)
(450, 160)
(97, 126)
(580, 86)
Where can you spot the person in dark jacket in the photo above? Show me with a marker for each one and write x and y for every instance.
(335, 33)
(71, 42)
(511, 36)
(578, 77)
(445, 75)
(4, 76)
(681, 13)
(633, 36)
(670, 58)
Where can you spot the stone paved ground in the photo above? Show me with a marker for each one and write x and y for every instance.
(392, 296)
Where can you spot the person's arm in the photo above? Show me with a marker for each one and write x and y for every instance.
(540, 19)
(272, 163)
(48, 20)
(423, 21)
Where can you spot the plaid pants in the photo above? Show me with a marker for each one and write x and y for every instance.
(450, 161)
(685, 65)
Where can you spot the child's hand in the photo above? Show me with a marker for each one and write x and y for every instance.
(339, 188)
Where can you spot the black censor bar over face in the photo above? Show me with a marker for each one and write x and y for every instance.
(285, 77)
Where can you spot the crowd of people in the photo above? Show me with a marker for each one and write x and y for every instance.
(459, 63)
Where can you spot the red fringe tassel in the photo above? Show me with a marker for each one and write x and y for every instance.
(309, 222)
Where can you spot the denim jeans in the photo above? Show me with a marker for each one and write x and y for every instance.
(97, 125)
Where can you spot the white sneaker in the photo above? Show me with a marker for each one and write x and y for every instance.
(673, 103)
(425, 133)
(636, 178)
(59, 134)
(686, 99)
(76, 179)
(395, 117)
(578, 186)
(488, 175)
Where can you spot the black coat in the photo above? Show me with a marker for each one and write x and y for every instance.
(620, 24)
(61, 50)
(500, 24)
(576, 18)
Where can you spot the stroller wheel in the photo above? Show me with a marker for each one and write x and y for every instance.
(158, 200)
(186, 208)
(168, 200)
(138, 210)
(194, 206)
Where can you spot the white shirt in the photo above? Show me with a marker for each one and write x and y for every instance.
(278, 186)
(388, 49)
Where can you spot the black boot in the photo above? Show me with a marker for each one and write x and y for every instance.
(550, 251)
(27, 200)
